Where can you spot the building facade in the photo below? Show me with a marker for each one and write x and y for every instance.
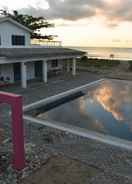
(22, 61)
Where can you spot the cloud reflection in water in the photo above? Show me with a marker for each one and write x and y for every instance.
(112, 96)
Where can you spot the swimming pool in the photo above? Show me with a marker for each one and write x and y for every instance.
(102, 109)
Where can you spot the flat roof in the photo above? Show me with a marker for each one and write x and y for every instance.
(33, 53)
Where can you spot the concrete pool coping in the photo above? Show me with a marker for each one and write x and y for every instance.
(60, 95)
(107, 139)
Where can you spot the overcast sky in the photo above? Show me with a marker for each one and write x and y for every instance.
(83, 22)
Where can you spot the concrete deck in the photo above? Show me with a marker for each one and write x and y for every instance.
(39, 90)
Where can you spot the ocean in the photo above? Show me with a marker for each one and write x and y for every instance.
(104, 53)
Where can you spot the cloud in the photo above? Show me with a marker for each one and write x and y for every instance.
(117, 11)
(113, 11)
(67, 9)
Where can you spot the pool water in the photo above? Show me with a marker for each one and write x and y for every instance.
(105, 108)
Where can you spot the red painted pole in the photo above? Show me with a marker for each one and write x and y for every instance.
(18, 134)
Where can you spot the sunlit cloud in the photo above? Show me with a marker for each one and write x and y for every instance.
(112, 19)
(113, 11)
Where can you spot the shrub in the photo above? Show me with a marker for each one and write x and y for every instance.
(130, 65)
(99, 63)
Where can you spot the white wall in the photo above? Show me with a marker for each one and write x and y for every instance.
(30, 71)
(7, 29)
(7, 71)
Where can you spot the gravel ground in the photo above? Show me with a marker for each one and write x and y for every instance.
(45, 145)
(62, 170)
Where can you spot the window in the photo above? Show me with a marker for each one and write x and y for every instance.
(54, 63)
(18, 40)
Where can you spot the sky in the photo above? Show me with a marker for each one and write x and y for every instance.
(93, 23)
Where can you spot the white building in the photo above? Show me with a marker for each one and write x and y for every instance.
(21, 61)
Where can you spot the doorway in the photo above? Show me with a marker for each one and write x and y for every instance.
(38, 70)
(17, 71)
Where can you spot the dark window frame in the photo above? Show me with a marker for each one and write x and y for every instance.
(18, 40)
(54, 63)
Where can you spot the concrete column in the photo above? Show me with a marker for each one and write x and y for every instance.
(45, 71)
(24, 75)
(68, 66)
(74, 67)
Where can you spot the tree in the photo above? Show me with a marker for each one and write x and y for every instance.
(33, 23)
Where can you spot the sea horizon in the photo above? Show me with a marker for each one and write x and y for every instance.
(119, 53)
(100, 47)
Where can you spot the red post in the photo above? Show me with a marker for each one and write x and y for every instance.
(17, 128)
(18, 134)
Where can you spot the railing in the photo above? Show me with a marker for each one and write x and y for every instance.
(47, 44)
(39, 44)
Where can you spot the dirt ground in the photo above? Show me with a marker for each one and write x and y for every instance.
(62, 170)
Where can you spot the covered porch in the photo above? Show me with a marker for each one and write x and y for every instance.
(43, 71)
(28, 64)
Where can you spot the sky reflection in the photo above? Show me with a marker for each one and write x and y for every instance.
(105, 108)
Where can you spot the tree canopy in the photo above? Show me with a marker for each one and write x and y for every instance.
(33, 23)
